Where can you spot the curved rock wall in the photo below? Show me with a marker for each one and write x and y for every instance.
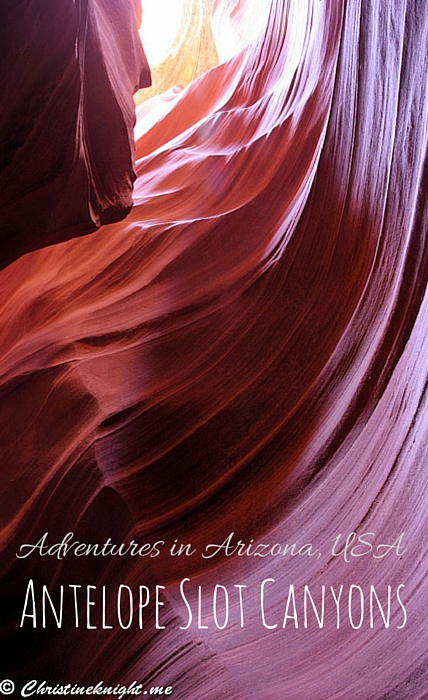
(244, 354)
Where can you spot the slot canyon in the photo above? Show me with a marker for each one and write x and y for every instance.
(213, 321)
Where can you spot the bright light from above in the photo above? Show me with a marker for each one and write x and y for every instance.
(160, 26)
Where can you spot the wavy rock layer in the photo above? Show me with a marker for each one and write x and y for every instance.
(245, 353)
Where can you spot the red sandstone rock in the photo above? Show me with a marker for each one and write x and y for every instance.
(245, 353)
(68, 72)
